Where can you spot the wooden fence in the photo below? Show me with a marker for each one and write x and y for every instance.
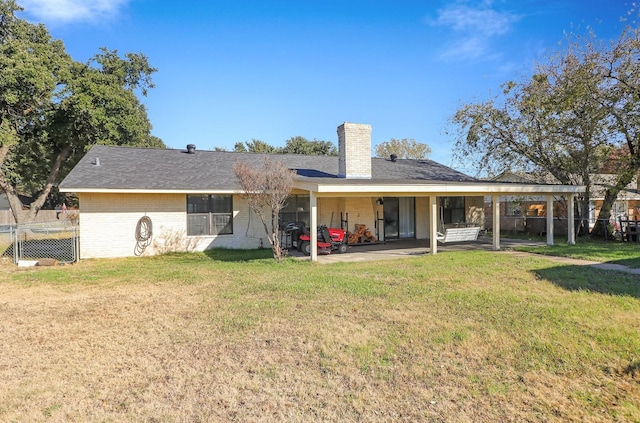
(6, 217)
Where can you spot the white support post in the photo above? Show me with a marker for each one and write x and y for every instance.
(496, 222)
(313, 230)
(433, 225)
(571, 229)
(549, 219)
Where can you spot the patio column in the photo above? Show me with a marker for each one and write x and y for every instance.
(549, 219)
(496, 222)
(433, 224)
(571, 230)
(313, 230)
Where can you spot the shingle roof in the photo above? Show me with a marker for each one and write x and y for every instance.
(171, 169)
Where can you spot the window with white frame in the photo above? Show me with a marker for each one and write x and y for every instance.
(209, 214)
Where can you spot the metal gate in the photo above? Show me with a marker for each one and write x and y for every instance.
(57, 240)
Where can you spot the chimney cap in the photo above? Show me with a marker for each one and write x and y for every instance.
(191, 148)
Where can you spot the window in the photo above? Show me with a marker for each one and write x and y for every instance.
(296, 209)
(209, 214)
(452, 209)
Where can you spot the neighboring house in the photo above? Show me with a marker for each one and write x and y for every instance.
(193, 201)
(627, 205)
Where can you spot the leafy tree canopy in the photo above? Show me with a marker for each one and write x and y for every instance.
(294, 145)
(301, 145)
(53, 109)
(403, 149)
(254, 146)
(568, 119)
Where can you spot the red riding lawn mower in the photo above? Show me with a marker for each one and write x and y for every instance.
(329, 239)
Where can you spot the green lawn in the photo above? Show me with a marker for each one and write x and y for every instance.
(233, 336)
(625, 253)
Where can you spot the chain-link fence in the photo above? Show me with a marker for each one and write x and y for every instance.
(57, 240)
(606, 229)
(7, 239)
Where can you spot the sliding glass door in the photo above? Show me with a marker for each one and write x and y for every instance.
(399, 217)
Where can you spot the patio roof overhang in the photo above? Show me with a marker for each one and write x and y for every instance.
(372, 188)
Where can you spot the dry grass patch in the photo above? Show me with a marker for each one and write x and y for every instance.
(470, 336)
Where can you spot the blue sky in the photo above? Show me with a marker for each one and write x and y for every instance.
(235, 70)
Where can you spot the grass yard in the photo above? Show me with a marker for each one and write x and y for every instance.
(624, 253)
(232, 336)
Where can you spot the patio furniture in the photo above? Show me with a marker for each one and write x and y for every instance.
(458, 234)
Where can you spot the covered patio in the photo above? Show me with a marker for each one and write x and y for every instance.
(409, 248)
(431, 191)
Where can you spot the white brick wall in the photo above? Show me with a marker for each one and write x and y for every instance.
(108, 222)
(108, 225)
(354, 145)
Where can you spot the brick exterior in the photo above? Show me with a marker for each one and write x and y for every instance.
(108, 222)
(354, 145)
(108, 225)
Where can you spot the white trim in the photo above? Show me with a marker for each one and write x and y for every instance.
(433, 224)
(469, 189)
(150, 191)
(313, 230)
(496, 222)
(571, 230)
(549, 220)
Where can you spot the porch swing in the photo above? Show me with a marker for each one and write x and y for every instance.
(463, 234)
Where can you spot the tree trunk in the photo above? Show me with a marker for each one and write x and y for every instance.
(583, 214)
(20, 214)
(623, 179)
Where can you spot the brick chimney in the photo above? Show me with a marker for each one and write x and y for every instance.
(354, 151)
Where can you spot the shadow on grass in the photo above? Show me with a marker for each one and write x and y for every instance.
(633, 263)
(223, 254)
(633, 370)
(613, 252)
(586, 278)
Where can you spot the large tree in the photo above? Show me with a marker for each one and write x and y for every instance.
(564, 121)
(621, 68)
(403, 149)
(52, 109)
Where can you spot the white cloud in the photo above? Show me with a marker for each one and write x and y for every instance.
(72, 10)
(486, 22)
(473, 28)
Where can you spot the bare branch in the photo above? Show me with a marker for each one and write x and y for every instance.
(266, 190)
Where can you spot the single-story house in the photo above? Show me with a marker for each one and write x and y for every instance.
(193, 201)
